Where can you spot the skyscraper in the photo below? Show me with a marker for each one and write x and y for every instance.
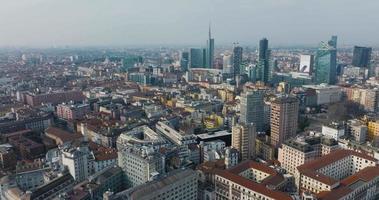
(210, 50)
(196, 58)
(252, 108)
(306, 64)
(184, 61)
(243, 139)
(283, 119)
(326, 63)
(362, 56)
(227, 64)
(237, 60)
(263, 61)
(333, 41)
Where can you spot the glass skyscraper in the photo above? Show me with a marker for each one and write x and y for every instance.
(252, 108)
(326, 63)
(184, 61)
(210, 50)
(196, 58)
(263, 70)
(362, 56)
(237, 60)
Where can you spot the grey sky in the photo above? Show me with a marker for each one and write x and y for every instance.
(154, 22)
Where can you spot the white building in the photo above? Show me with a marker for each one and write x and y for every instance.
(326, 94)
(306, 64)
(179, 184)
(358, 130)
(333, 130)
(140, 165)
(77, 161)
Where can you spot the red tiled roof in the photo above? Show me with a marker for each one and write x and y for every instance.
(259, 188)
(366, 175)
(62, 135)
(251, 164)
(102, 152)
(331, 158)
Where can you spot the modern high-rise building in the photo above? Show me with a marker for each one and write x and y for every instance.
(263, 61)
(362, 56)
(252, 108)
(184, 61)
(237, 60)
(306, 64)
(210, 50)
(243, 139)
(326, 63)
(227, 64)
(196, 58)
(283, 119)
(333, 41)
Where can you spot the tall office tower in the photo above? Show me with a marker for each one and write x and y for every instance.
(237, 60)
(205, 58)
(333, 41)
(306, 64)
(243, 139)
(263, 61)
(227, 64)
(252, 108)
(283, 119)
(362, 56)
(184, 61)
(210, 50)
(196, 58)
(326, 64)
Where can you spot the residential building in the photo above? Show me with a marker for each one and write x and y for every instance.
(283, 119)
(334, 130)
(72, 111)
(243, 139)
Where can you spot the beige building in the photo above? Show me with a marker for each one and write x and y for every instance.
(295, 152)
(342, 174)
(243, 139)
(283, 119)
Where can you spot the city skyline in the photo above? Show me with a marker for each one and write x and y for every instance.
(129, 23)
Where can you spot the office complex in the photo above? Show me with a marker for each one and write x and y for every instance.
(179, 184)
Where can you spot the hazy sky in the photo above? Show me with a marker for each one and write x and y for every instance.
(185, 22)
